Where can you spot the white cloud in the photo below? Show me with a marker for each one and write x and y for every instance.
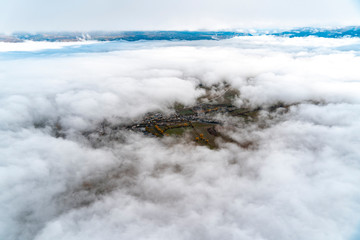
(34, 46)
(298, 180)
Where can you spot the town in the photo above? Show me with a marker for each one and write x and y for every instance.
(199, 122)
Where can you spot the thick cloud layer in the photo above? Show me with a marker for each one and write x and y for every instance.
(296, 179)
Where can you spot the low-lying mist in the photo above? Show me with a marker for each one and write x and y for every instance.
(288, 174)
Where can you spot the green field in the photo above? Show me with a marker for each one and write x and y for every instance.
(177, 131)
(198, 132)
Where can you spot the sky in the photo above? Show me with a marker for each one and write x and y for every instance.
(85, 15)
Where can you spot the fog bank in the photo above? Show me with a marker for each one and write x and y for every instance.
(297, 179)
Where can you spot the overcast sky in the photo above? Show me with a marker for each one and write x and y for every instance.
(40, 15)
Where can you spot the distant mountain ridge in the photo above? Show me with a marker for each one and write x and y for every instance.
(351, 31)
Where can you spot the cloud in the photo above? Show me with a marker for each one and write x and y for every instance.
(298, 178)
(34, 46)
